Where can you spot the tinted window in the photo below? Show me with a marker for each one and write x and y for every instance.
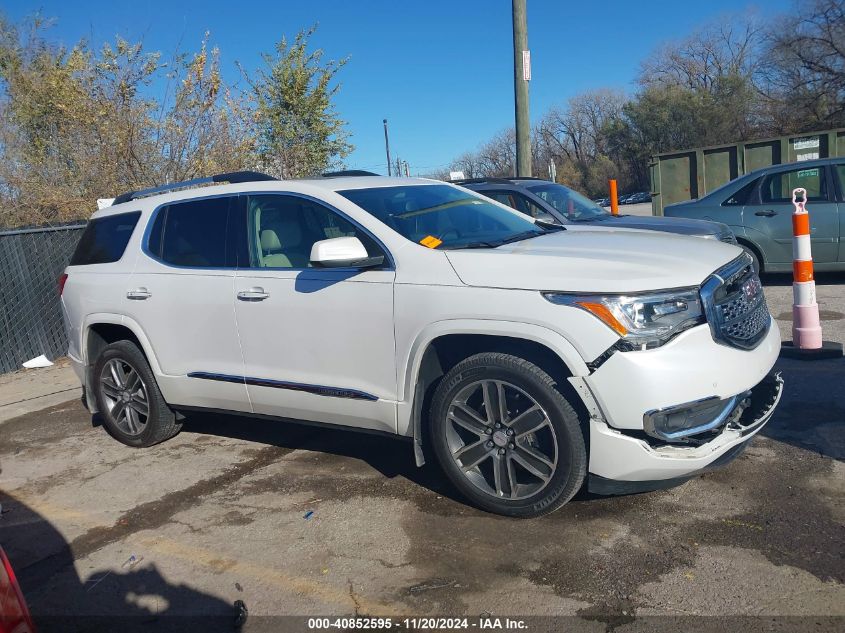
(193, 233)
(104, 239)
(454, 217)
(516, 201)
(284, 228)
(740, 197)
(778, 187)
(572, 204)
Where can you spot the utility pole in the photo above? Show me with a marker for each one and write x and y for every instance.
(387, 146)
(521, 77)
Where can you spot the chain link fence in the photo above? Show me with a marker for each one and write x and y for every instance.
(31, 261)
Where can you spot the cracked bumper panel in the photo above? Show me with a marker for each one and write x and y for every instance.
(689, 368)
(620, 457)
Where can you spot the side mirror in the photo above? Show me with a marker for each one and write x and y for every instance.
(342, 252)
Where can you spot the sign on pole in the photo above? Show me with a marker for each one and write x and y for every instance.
(526, 65)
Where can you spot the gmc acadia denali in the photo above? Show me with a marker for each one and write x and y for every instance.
(526, 358)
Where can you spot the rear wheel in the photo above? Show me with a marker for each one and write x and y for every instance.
(133, 409)
(506, 437)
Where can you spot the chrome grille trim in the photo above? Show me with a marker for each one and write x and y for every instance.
(735, 305)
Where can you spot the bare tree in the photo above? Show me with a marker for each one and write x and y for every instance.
(803, 76)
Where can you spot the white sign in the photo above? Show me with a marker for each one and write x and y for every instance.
(456, 175)
(807, 156)
(526, 65)
(805, 143)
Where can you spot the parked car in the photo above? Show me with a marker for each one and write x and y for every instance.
(548, 201)
(758, 208)
(639, 198)
(529, 359)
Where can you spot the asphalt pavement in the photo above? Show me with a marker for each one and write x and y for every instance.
(294, 520)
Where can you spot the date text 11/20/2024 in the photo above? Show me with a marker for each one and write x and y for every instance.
(482, 623)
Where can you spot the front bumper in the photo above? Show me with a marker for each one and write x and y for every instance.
(631, 384)
(691, 367)
(642, 467)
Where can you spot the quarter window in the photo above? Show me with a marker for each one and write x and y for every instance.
(104, 239)
(741, 196)
(194, 234)
(778, 187)
(283, 229)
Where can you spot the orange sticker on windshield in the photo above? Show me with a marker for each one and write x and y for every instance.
(431, 241)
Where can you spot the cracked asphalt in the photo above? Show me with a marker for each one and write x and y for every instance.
(218, 514)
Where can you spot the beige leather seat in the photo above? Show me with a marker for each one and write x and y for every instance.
(282, 247)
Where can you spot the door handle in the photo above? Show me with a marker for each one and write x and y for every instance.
(138, 294)
(253, 294)
(768, 213)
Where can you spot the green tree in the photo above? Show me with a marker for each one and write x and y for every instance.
(297, 130)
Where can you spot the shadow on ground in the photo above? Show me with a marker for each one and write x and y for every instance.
(132, 597)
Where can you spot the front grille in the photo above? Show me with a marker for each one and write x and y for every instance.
(735, 305)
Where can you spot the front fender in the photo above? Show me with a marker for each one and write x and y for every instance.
(409, 407)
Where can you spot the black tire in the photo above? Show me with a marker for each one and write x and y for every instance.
(525, 382)
(160, 421)
(755, 259)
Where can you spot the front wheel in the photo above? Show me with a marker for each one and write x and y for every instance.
(506, 437)
(133, 409)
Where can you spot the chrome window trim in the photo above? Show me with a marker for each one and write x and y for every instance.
(390, 262)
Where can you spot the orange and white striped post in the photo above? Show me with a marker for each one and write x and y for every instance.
(806, 327)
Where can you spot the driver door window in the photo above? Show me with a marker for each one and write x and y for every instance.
(283, 229)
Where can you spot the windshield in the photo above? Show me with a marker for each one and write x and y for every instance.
(440, 216)
(571, 204)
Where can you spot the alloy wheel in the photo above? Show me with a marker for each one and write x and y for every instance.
(501, 439)
(125, 396)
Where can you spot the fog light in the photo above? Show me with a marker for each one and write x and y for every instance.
(681, 421)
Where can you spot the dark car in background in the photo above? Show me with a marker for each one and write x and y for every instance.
(758, 208)
(551, 202)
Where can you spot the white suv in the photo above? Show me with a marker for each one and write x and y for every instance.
(525, 358)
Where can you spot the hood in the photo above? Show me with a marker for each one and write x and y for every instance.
(594, 261)
(670, 225)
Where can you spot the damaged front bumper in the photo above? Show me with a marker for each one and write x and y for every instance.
(624, 461)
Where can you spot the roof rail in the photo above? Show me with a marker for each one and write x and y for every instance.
(472, 181)
(347, 172)
(230, 177)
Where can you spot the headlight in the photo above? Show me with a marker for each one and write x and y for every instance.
(643, 321)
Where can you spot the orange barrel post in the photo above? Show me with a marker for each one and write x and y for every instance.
(614, 198)
(806, 327)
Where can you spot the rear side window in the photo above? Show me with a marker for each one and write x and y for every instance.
(193, 234)
(104, 239)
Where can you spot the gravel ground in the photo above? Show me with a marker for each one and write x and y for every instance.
(220, 513)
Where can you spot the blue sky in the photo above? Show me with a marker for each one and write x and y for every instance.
(440, 72)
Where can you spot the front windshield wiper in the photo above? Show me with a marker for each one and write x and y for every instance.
(518, 237)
